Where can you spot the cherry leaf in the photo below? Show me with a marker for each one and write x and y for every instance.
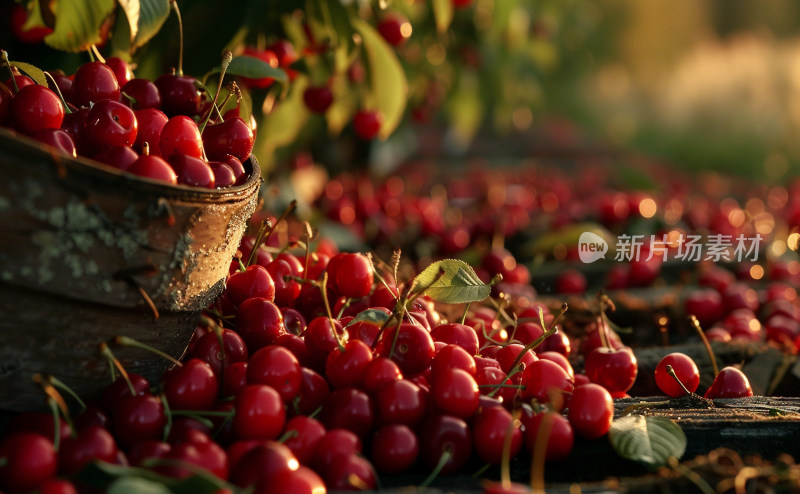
(452, 281)
(78, 24)
(372, 316)
(152, 15)
(648, 440)
(131, 485)
(132, 10)
(254, 68)
(31, 71)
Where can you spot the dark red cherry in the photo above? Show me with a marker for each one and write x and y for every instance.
(140, 94)
(267, 56)
(410, 346)
(138, 418)
(192, 386)
(367, 124)
(223, 175)
(94, 82)
(259, 414)
(151, 122)
(27, 460)
(192, 171)
(58, 139)
(729, 383)
(442, 434)
(120, 157)
(110, 123)
(232, 137)
(121, 68)
(32, 35)
(394, 449)
(348, 408)
(34, 108)
(277, 367)
(154, 168)
(90, 444)
(395, 29)
(179, 95)
(180, 135)
(318, 98)
(259, 322)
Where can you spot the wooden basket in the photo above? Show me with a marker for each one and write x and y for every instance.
(82, 246)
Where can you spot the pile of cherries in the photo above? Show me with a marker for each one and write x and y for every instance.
(165, 129)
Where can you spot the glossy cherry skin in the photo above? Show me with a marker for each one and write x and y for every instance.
(507, 355)
(192, 386)
(334, 443)
(110, 123)
(400, 402)
(58, 139)
(34, 108)
(90, 444)
(220, 355)
(350, 472)
(321, 338)
(443, 433)
(259, 414)
(94, 82)
(233, 137)
(457, 334)
(154, 168)
(455, 392)
(452, 357)
(394, 449)
(180, 135)
(395, 29)
(348, 408)
(28, 461)
(138, 418)
(560, 359)
(729, 383)
(614, 369)
(120, 388)
(223, 174)
(560, 440)
(5, 103)
(546, 382)
(684, 368)
(255, 281)
(410, 346)
(121, 68)
(179, 95)
(151, 122)
(318, 98)
(144, 93)
(591, 411)
(706, 305)
(277, 367)
(259, 465)
(192, 171)
(378, 372)
(120, 157)
(345, 367)
(304, 443)
(259, 322)
(350, 275)
(367, 124)
(286, 288)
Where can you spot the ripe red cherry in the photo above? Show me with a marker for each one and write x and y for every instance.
(259, 322)
(348, 408)
(120, 157)
(259, 413)
(560, 360)
(121, 68)
(277, 367)
(614, 369)
(28, 460)
(5, 102)
(179, 95)
(220, 355)
(706, 305)
(395, 29)
(192, 386)
(141, 94)
(255, 281)
(267, 56)
(90, 444)
(154, 168)
(259, 465)
(729, 383)
(34, 108)
(400, 402)
(318, 98)
(591, 411)
(58, 139)
(192, 171)
(286, 288)
(138, 418)
(345, 367)
(94, 82)
(233, 137)
(409, 345)
(151, 122)
(489, 431)
(571, 281)
(561, 438)
(120, 388)
(455, 393)
(180, 135)
(546, 382)
(452, 357)
(34, 35)
(334, 443)
(378, 372)
(110, 123)
(367, 124)
(508, 354)
(684, 368)
(394, 449)
(223, 174)
(300, 481)
(350, 275)
(443, 433)
(304, 443)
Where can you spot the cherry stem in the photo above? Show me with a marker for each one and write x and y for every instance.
(479, 472)
(706, 343)
(114, 362)
(505, 459)
(180, 36)
(168, 414)
(227, 56)
(60, 385)
(378, 274)
(54, 396)
(344, 307)
(324, 289)
(672, 373)
(128, 341)
(540, 453)
(464, 315)
(446, 455)
(287, 435)
(56, 423)
(501, 385)
(264, 231)
(97, 54)
(309, 234)
(57, 89)
(4, 57)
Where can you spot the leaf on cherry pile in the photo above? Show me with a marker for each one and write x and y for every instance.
(78, 24)
(372, 316)
(648, 440)
(31, 71)
(118, 479)
(452, 281)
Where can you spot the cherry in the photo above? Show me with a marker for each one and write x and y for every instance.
(220, 355)
(236, 165)
(120, 388)
(308, 433)
(34, 108)
(154, 168)
(138, 418)
(345, 367)
(121, 68)
(394, 449)
(560, 359)
(350, 275)
(27, 461)
(261, 463)
(63, 83)
(685, 369)
(233, 137)
(57, 486)
(201, 451)
(400, 402)
(706, 305)
(729, 383)
(455, 393)
(614, 369)
(234, 378)
(740, 295)
(267, 56)
(297, 345)
(489, 431)
(528, 332)
(442, 434)
(557, 342)
(277, 367)
(223, 174)
(348, 408)
(571, 281)
(192, 171)
(452, 357)
(180, 135)
(591, 411)
(409, 345)
(461, 4)
(560, 440)
(58, 139)
(191, 386)
(395, 29)
(94, 82)
(350, 472)
(378, 372)
(110, 123)
(335, 442)
(90, 444)
(31, 36)
(73, 125)
(120, 157)
(313, 391)
(457, 334)
(367, 124)
(318, 98)
(151, 122)
(301, 481)
(141, 94)
(286, 288)
(259, 413)
(41, 423)
(507, 355)
(180, 95)
(546, 382)
(321, 337)
(364, 330)
(20, 80)
(255, 281)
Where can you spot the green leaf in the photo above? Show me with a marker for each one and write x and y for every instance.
(132, 9)
(648, 440)
(31, 71)
(35, 17)
(78, 24)
(443, 13)
(337, 20)
(389, 87)
(452, 281)
(136, 485)
(254, 68)
(152, 15)
(371, 316)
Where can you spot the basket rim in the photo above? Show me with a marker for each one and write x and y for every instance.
(39, 154)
